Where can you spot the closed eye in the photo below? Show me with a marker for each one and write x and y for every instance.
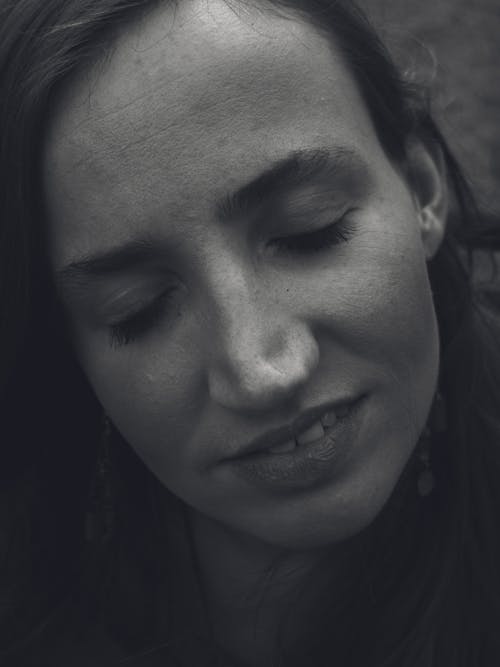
(140, 322)
(333, 234)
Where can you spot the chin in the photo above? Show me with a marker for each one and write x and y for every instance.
(353, 507)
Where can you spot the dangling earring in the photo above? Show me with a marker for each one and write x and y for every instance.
(436, 424)
(100, 509)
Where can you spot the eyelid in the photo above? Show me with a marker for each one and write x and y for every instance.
(122, 301)
(135, 308)
(139, 322)
(339, 224)
(307, 223)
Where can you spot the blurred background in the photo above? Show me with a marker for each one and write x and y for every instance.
(454, 45)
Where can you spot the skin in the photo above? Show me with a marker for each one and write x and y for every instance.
(142, 146)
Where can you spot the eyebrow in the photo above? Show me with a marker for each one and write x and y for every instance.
(292, 171)
(77, 275)
(285, 174)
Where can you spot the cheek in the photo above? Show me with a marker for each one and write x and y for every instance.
(392, 302)
(377, 305)
(154, 399)
(402, 329)
(386, 281)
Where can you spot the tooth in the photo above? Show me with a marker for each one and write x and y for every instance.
(329, 419)
(288, 446)
(315, 432)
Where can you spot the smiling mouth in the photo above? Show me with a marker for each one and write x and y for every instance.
(310, 427)
(312, 456)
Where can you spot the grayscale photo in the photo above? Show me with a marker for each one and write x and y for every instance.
(250, 333)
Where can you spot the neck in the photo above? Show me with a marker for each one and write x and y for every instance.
(248, 585)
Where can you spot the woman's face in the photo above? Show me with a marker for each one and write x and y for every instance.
(234, 249)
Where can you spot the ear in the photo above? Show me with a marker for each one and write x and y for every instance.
(428, 183)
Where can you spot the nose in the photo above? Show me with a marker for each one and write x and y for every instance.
(261, 353)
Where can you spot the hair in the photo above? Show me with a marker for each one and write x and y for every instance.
(430, 594)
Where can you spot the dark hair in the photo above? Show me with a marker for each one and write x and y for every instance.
(431, 567)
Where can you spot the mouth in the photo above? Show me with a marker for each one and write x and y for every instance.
(309, 427)
(307, 451)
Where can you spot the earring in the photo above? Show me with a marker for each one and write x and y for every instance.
(99, 517)
(437, 423)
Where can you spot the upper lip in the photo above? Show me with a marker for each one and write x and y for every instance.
(288, 432)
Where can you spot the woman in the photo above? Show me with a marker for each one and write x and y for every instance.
(237, 309)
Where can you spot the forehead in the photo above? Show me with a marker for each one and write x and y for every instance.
(190, 103)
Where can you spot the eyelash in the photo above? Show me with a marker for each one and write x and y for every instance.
(333, 234)
(139, 323)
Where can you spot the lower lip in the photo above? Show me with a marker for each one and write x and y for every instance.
(308, 464)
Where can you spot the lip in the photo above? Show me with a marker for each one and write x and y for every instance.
(307, 465)
(283, 434)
